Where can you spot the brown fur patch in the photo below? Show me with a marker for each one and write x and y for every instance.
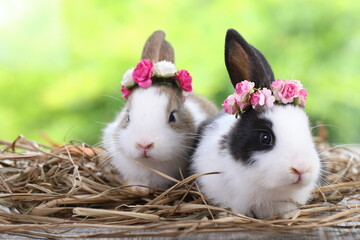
(184, 121)
(167, 52)
(152, 46)
(156, 48)
(206, 105)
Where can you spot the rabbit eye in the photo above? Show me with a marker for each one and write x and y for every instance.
(266, 139)
(127, 119)
(172, 117)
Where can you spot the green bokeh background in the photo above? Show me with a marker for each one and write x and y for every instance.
(61, 62)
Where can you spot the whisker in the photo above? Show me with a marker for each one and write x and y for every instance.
(102, 123)
(323, 125)
(340, 146)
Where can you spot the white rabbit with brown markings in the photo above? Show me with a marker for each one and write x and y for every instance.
(157, 126)
(266, 157)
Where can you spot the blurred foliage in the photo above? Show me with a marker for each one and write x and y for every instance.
(61, 62)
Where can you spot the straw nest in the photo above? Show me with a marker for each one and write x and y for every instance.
(47, 188)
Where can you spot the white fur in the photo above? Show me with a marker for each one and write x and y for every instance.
(199, 115)
(264, 188)
(149, 124)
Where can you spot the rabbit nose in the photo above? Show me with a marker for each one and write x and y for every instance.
(145, 146)
(296, 171)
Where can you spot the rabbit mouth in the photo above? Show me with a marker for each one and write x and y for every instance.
(300, 175)
(146, 153)
(299, 180)
(145, 149)
(143, 154)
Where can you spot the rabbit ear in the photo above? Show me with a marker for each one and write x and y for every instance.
(166, 52)
(157, 48)
(244, 62)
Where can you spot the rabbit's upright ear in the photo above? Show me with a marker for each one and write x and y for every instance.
(244, 62)
(166, 52)
(157, 48)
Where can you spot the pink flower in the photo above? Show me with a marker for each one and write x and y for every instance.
(230, 104)
(257, 99)
(261, 98)
(243, 101)
(286, 90)
(126, 92)
(143, 72)
(277, 87)
(269, 98)
(244, 87)
(302, 97)
(278, 83)
(184, 79)
(289, 91)
(243, 90)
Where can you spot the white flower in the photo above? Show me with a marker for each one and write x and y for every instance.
(128, 80)
(164, 69)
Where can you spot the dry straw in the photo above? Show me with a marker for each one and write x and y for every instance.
(52, 187)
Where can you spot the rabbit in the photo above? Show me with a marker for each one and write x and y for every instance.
(266, 159)
(156, 128)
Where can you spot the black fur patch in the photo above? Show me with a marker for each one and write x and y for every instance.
(244, 137)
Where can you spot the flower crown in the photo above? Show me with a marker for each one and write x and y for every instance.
(282, 92)
(146, 73)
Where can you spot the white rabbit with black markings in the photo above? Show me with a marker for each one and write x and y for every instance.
(157, 126)
(266, 158)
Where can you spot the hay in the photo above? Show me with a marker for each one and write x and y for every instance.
(52, 187)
